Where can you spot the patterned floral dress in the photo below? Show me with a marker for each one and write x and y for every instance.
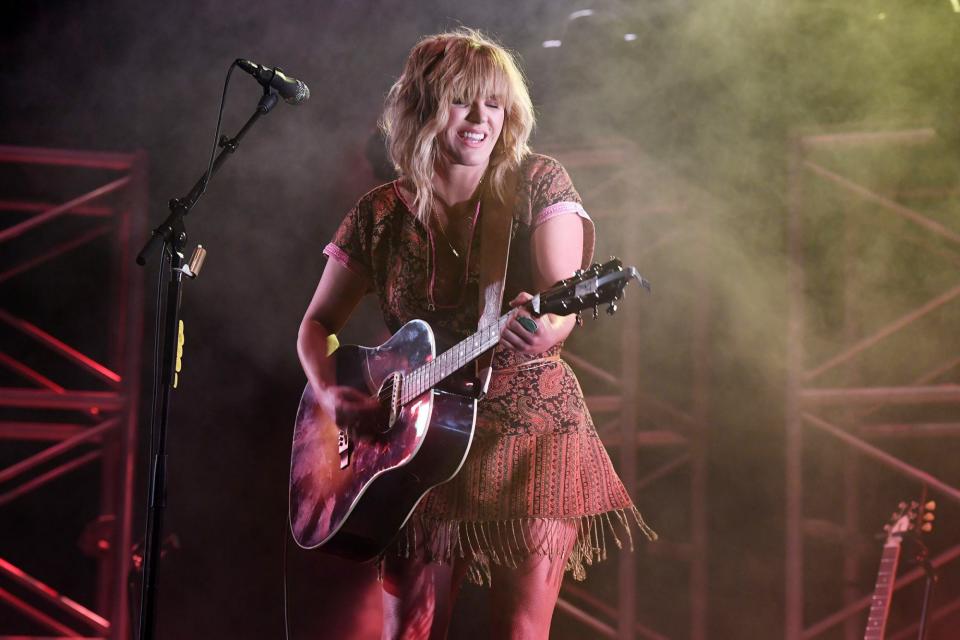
(536, 466)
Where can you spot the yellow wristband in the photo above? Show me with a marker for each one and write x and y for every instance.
(332, 344)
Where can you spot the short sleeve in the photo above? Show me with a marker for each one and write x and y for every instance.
(553, 194)
(350, 245)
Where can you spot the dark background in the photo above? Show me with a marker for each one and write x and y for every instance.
(709, 92)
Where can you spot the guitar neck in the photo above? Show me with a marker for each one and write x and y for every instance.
(882, 591)
(600, 284)
(432, 373)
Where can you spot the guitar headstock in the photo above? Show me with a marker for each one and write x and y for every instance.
(911, 517)
(588, 288)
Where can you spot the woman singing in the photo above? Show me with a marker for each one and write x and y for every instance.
(537, 493)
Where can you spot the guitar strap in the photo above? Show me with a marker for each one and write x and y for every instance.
(496, 228)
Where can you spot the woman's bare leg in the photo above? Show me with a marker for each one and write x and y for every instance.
(523, 598)
(418, 598)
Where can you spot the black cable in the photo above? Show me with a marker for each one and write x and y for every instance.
(167, 254)
(157, 348)
(206, 180)
(157, 345)
(216, 135)
(286, 616)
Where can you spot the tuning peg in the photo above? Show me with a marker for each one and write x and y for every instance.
(930, 506)
(612, 309)
(926, 527)
(929, 517)
(596, 311)
(579, 318)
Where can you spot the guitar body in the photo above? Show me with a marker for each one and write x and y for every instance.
(352, 487)
(356, 510)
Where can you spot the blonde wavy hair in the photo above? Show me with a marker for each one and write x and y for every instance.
(455, 66)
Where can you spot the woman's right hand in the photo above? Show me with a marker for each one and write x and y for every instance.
(349, 406)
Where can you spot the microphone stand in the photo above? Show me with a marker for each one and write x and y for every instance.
(171, 235)
(931, 579)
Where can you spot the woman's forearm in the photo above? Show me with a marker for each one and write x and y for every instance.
(312, 348)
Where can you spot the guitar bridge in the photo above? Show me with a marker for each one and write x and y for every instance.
(343, 447)
(389, 397)
(395, 398)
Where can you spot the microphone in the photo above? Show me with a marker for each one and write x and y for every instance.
(293, 91)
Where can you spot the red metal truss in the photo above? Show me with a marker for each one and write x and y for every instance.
(79, 408)
(843, 407)
(632, 418)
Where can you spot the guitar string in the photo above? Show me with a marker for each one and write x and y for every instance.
(429, 374)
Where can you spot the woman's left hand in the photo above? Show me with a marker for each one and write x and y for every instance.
(539, 334)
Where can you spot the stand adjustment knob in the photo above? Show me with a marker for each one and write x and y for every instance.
(193, 267)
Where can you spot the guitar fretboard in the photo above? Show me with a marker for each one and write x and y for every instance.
(430, 374)
(882, 591)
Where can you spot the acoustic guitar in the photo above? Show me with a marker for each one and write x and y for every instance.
(353, 486)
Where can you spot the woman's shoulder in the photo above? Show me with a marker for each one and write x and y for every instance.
(381, 202)
(537, 165)
(384, 195)
(545, 182)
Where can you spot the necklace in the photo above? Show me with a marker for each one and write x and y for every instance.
(446, 238)
(443, 230)
(432, 305)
